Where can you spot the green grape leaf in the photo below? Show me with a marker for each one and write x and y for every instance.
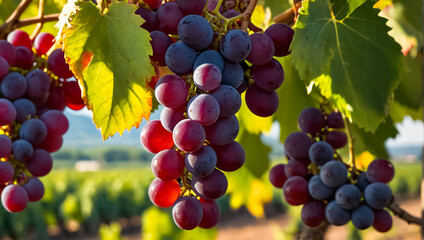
(109, 55)
(293, 99)
(256, 153)
(374, 142)
(344, 49)
(399, 111)
(410, 90)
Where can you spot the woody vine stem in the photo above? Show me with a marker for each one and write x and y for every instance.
(288, 16)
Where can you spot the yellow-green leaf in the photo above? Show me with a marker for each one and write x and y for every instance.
(109, 55)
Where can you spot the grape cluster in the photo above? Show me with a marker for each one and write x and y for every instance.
(329, 189)
(33, 95)
(194, 140)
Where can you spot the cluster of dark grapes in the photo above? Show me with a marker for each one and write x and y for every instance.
(329, 189)
(33, 95)
(194, 140)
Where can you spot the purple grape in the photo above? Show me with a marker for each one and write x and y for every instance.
(311, 120)
(260, 102)
(268, 76)
(295, 191)
(212, 186)
(336, 215)
(202, 162)
(313, 213)
(5, 146)
(7, 112)
(233, 74)
(281, 35)
(235, 45)
(4, 67)
(209, 56)
(180, 58)
(33, 130)
(277, 175)
(348, 196)
(19, 37)
(230, 157)
(335, 120)
(38, 86)
(168, 165)
(336, 139)
(25, 109)
(6, 172)
(362, 217)
(160, 43)
(13, 86)
(262, 49)
(57, 64)
(22, 150)
(189, 135)
(56, 122)
(171, 91)
(169, 117)
(24, 58)
(14, 198)
(187, 212)
(382, 220)
(380, 170)
(211, 213)
(333, 174)
(168, 16)
(223, 131)
(7, 51)
(195, 31)
(362, 182)
(229, 100)
(40, 164)
(318, 190)
(207, 77)
(295, 168)
(378, 195)
(320, 153)
(35, 189)
(149, 17)
(297, 145)
(203, 108)
(192, 7)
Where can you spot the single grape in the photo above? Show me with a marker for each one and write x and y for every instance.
(295, 191)
(22, 150)
(164, 193)
(7, 112)
(6, 172)
(4, 67)
(209, 56)
(295, 168)
(233, 74)
(160, 43)
(311, 120)
(7, 51)
(212, 186)
(180, 58)
(202, 162)
(203, 108)
(333, 174)
(154, 138)
(169, 117)
(187, 212)
(56, 122)
(52, 143)
(380, 170)
(13, 86)
(277, 175)
(228, 98)
(14, 198)
(171, 91)
(40, 164)
(262, 49)
(377, 195)
(235, 45)
(57, 64)
(5, 146)
(260, 102)
(73, 95)
(336, 215)
(223, 131)
(189, 135)
(281, 35)
(35, 189)
(207, 77)
(19, 38)
(43, 42)
(382, 220)
(320, 153)
(195, 31)
(318, 190)
(149, 17)
(335, 120)
(313, 213)
(192, 7)
(24, 58)
(362, 182)
(168, 165)
(348, 196)
(336, 139)
(211, 213)
(34, 130)
(230, 157)
(57, 98)
(38, 86)
(362, 217)
(297, 146)
(25, 109)
(168, 16)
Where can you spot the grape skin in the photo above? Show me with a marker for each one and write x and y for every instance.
(377, 195)
(5, 146)
(33, 130)
(268, 76)
(229, 100)
(202, 162)
(295, 191)
(6, 172)
(192, 7)
(160, 43)
(189, 135)
(311, 120)
(209, 56)
(295, 168)
(230, 157)
(40, 164)
(333, 174)
(57, 64)
(180, 58)
(7, 112)
(22, 150)
(43, 42)
(187, 212)
(362, 217)
(380, 170)
(13, 86)
(235, 45)
(35, 189)
(212, 186)
(233, 74)
(203, 108)
(171, 91)
(154, 138)
(262, 49)
(336, 139)
(313, 213)
(318, 190)
(169, 117)
(281, 35)
(7, 51)
(195, 31)
(223, 131)
(336, 215)
(4, 67)
(297, 145)
(14, 198)
(38, 86)
(382, 220)
(164, 193)
(320, 153)
(348, 196)
(24, 58)
(167, 165)
(168, 16)
(260, 102)
(56, 122)
(207, 77)
(211, 213)
(24, 109)
(277, 175)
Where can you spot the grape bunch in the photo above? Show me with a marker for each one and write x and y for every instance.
(33, 95)
(212, 65)
(317, 178)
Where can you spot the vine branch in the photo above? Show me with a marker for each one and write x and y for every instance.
(401, 213)
(40, 15)
(247, 14)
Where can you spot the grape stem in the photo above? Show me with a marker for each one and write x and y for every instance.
(247, 14)
(401, 213)
(40, 15)
(351, 140)
(289, 16)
